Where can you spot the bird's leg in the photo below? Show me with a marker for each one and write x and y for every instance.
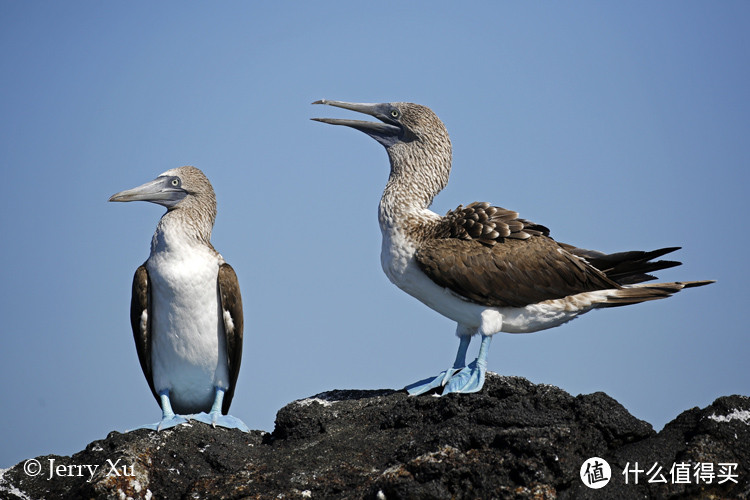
(443, 377)
(166, 406)
(214, 416)
(460, 362)
(168, 417)
(471, 378)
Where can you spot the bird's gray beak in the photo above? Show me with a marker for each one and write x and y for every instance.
(386, 133)
(161, 190)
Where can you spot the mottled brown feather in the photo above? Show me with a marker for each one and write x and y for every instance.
(487, 224)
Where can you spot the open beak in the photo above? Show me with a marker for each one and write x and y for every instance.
(386, 133)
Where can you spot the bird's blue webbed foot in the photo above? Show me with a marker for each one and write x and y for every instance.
(214, 417)
(431, 383)
(169, 422)
(443, 377)
(460, 378)
(469, 379)
(168, 417)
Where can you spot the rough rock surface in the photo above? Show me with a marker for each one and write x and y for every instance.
(514, 439)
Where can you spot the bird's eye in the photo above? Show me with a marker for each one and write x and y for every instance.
(175, 182)
(394, 113)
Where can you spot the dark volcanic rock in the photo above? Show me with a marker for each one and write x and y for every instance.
(513, 440)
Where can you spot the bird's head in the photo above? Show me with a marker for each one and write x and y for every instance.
(401, 122)
(188, 196)
(416, 140)
(179, 189)
(170, 189)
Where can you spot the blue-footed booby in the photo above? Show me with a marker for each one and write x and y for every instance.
(480, 265)
(186, 308)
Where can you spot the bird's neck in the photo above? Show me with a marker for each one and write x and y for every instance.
(400, 199)
(180, 230)
(418, 174)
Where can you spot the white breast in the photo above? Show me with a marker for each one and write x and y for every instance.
(188, 345)
(398, 262)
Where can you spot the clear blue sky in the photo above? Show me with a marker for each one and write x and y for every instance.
(618, 125)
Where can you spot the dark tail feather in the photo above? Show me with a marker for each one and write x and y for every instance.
(642, 293)
(627, 268)
(692, 284)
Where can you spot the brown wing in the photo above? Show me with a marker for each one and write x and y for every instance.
(140, 302)
(231, 302)
(489, 256)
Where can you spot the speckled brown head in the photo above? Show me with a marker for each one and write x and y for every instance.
(416, 140)
(186, 193)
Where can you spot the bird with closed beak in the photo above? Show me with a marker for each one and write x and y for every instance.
(186, 308)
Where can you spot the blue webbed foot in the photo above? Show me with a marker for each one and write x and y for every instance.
(431, 383)
(165, 423)
(168, 417)
(471, 378)
(468, 380)
(460, 378)
(443, 377)
(216, 418)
